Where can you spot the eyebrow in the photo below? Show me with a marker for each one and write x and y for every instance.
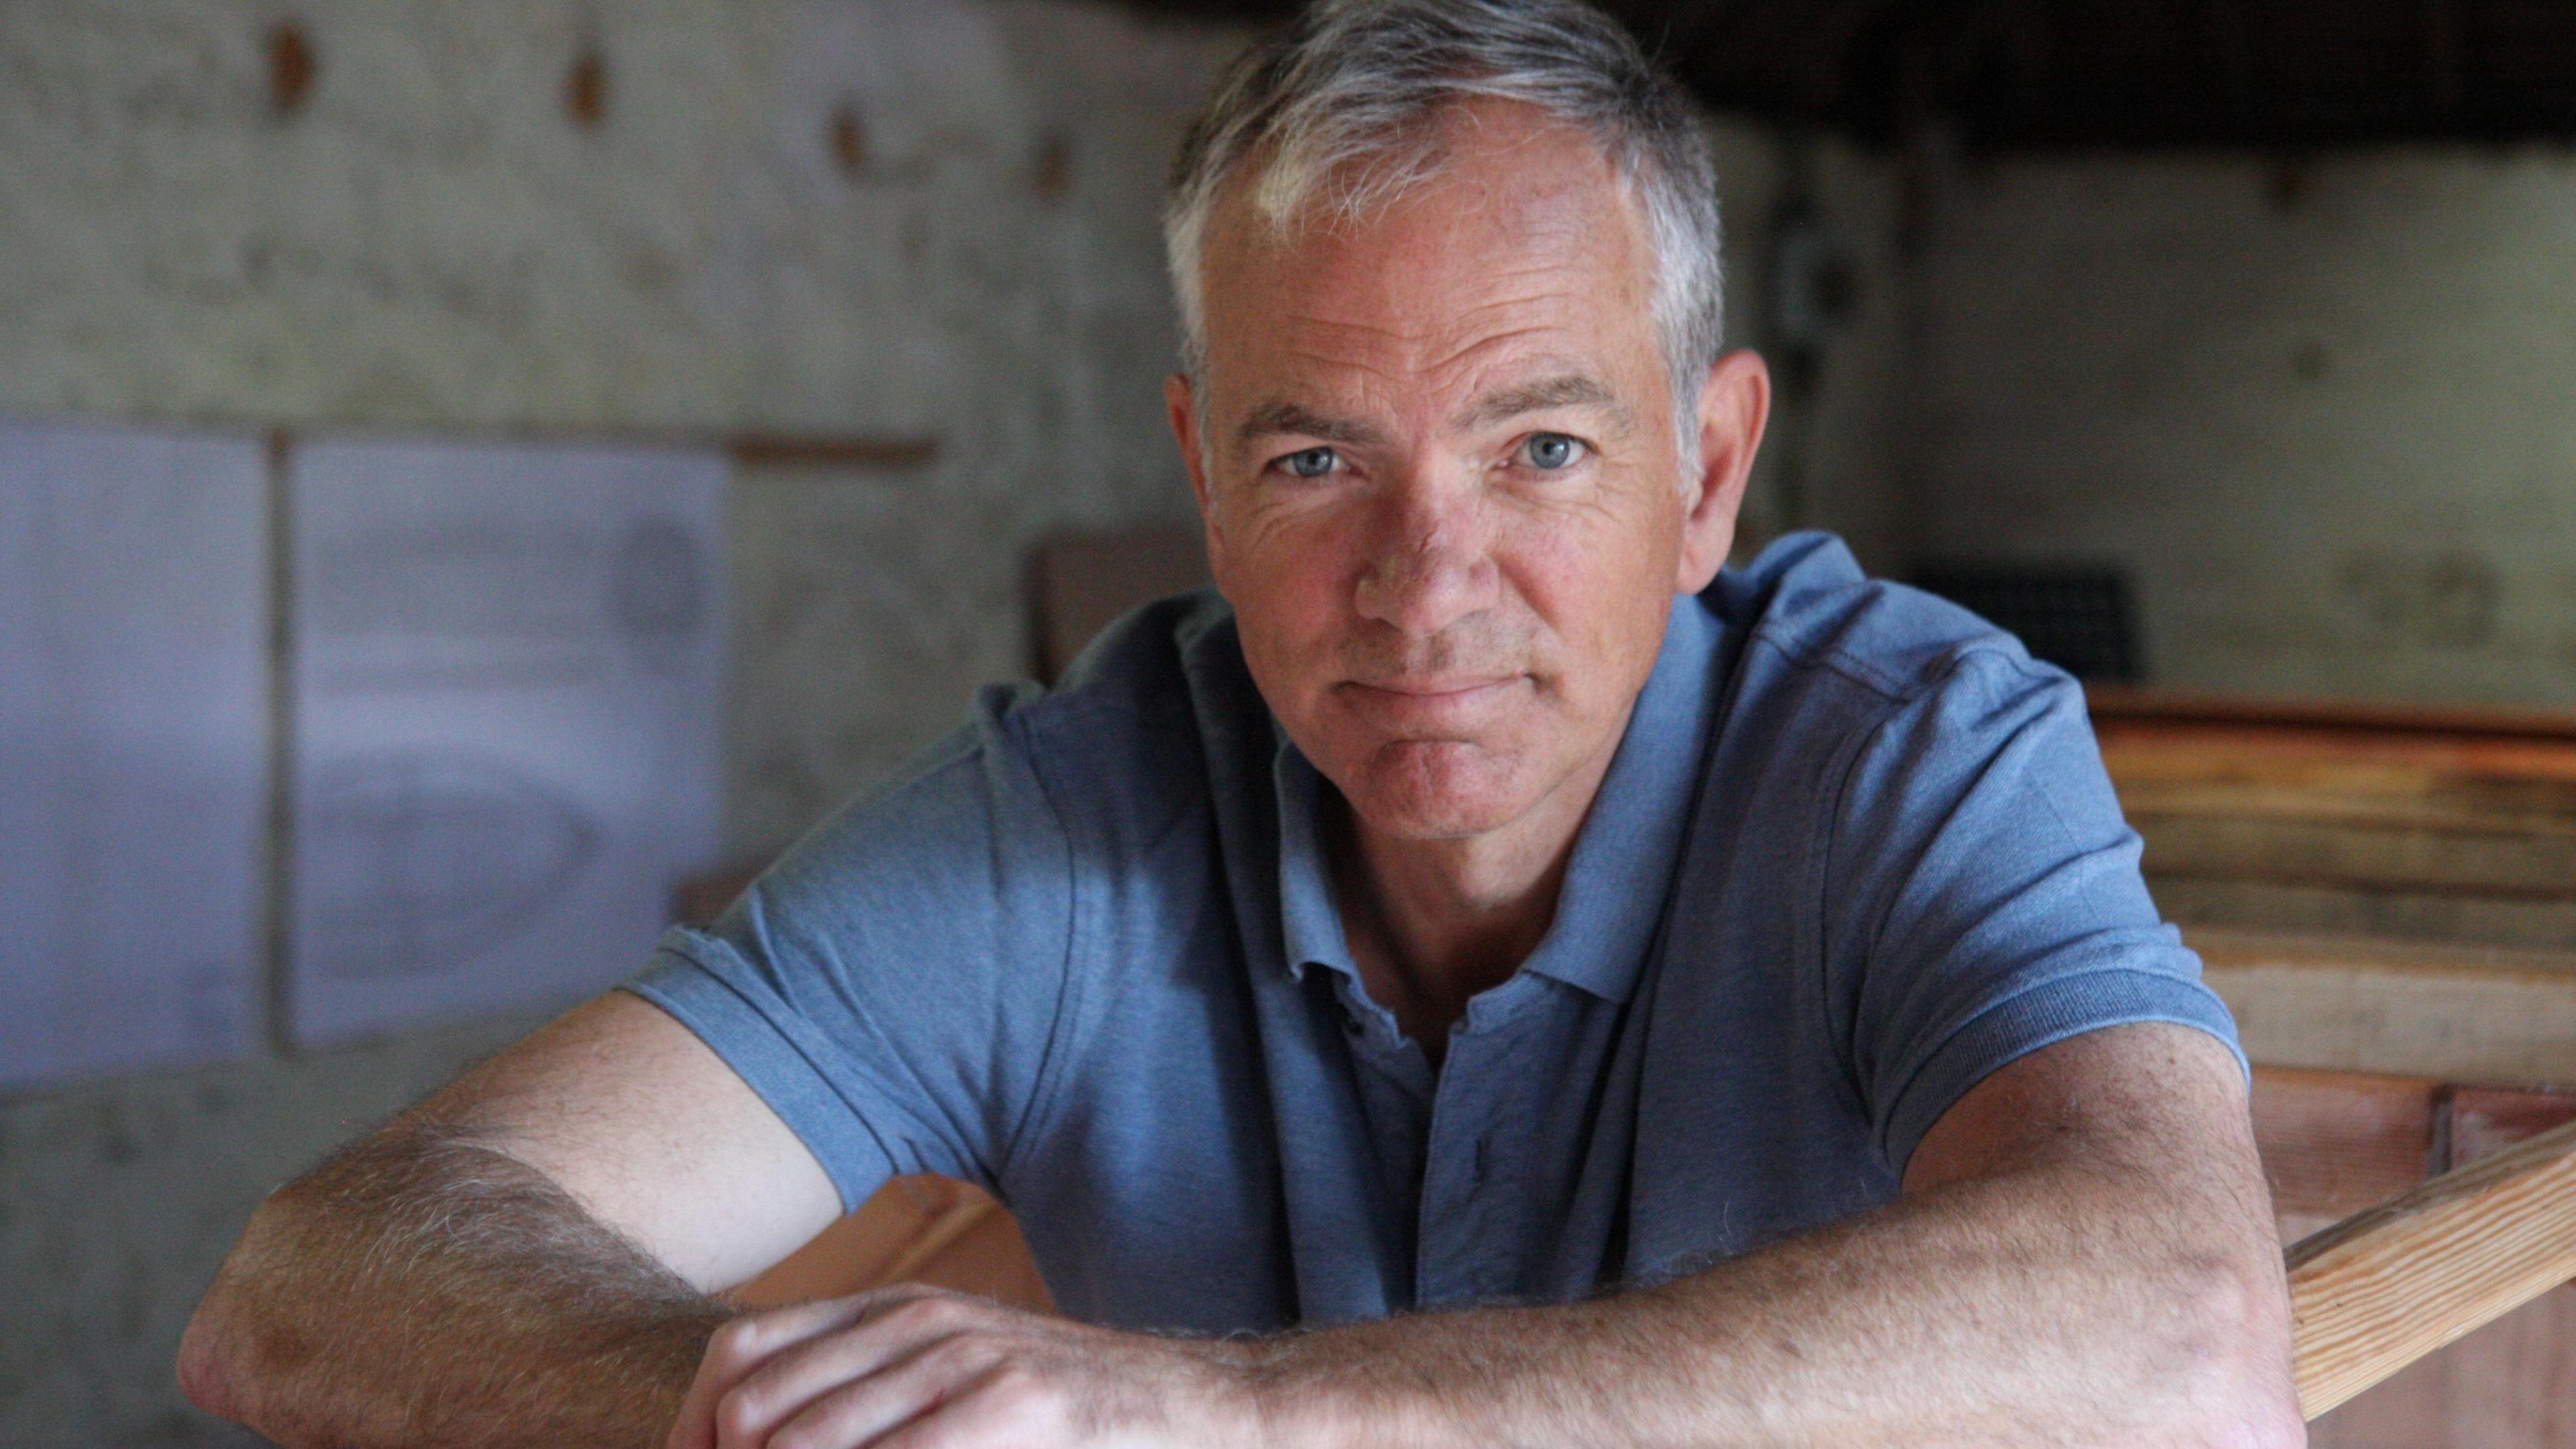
(1273, 418)
(1567, 390)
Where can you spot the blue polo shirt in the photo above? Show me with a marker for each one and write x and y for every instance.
(1855, 851)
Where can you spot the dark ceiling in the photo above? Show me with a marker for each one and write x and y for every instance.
(2048, 73)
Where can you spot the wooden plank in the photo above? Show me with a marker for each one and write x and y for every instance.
(785, 451)
(2115, 705)
(2487, 1120)
(2400, 917)
(2382, 1289)
(921, 1229)
(2461, 1014)
(2335, 1143)
(2489, 859)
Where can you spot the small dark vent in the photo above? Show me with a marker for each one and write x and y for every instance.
(2078, 619)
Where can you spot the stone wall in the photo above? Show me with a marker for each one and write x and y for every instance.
(881, 218)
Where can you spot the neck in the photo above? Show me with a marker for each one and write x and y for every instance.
(1433, 922)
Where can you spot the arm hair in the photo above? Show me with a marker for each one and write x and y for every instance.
(423, 1286)
(2094, 1264)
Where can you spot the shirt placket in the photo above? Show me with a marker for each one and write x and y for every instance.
(1467, 1192)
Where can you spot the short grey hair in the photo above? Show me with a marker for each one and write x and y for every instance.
(1339, 113)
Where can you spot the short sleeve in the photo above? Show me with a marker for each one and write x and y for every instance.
(1983, 897)
(890, 987)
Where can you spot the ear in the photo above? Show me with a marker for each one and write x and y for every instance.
(1734, 404)
(1181, 405)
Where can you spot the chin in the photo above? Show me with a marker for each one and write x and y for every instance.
(1444, 790)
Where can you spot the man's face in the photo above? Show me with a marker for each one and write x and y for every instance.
(1442, 485)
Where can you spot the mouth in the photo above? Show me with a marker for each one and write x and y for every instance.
(1407, 705)
(1434, 687)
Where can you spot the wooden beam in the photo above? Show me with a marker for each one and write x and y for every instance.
(2378, 1291)
(2459, 1013)
(778, 450)
(2112, 703)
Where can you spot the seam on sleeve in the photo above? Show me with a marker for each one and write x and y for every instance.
(1050, 1070)
(1838, 1039)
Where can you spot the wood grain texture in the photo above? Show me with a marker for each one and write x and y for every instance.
(2382, 1289)
(2456, 1013)
(2335, 1143)
(2439, 827)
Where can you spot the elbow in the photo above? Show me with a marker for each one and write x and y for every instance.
(227, 1350)
(2237, 1382)
(209, 1359)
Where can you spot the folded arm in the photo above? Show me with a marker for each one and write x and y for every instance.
(525, 1258)
(2083, 1254)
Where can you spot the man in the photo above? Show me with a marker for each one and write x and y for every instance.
(1474, 982)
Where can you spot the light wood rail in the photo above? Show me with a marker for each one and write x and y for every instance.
(2383, 1288)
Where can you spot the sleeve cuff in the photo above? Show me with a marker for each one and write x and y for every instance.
(2044, 1016)
(705, 985)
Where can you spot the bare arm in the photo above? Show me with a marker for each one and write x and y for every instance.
(2083, 1255)
(525, 1258)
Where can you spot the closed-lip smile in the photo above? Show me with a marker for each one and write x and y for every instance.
(1435, 688)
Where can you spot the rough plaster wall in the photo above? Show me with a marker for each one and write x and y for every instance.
(2320, 411)
(1840, 387)
(430, 244)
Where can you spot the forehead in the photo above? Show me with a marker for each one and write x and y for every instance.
(1522, 245)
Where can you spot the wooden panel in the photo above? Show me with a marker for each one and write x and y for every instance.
(920, 1229)
(2334, 1143)
(2454, 1013)
(1082, 581)
(2487, 1120)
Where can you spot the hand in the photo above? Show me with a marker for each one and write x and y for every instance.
(910, 1367)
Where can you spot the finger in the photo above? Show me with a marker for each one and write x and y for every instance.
(993, 1408)
(765, 1398)
(855, 1413)
(743, 1344)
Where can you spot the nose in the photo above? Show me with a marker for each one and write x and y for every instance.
(1430, 561)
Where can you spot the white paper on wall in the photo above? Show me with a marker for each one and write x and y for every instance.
(507, 695)
(133, 748)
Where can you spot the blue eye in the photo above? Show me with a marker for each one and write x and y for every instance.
(1551, 450)
(1312, 462)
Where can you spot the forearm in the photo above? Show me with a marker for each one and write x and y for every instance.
(420, 1288)
(2056, 1306)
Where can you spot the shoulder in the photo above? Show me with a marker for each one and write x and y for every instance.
(1872, 652)
(1118, 744)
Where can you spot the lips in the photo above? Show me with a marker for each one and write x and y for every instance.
(1412, 706)
(1434, 688)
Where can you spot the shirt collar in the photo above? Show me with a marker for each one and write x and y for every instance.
(1621, 871)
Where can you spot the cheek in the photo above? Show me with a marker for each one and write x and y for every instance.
(1285, 580)
(1604, 596)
